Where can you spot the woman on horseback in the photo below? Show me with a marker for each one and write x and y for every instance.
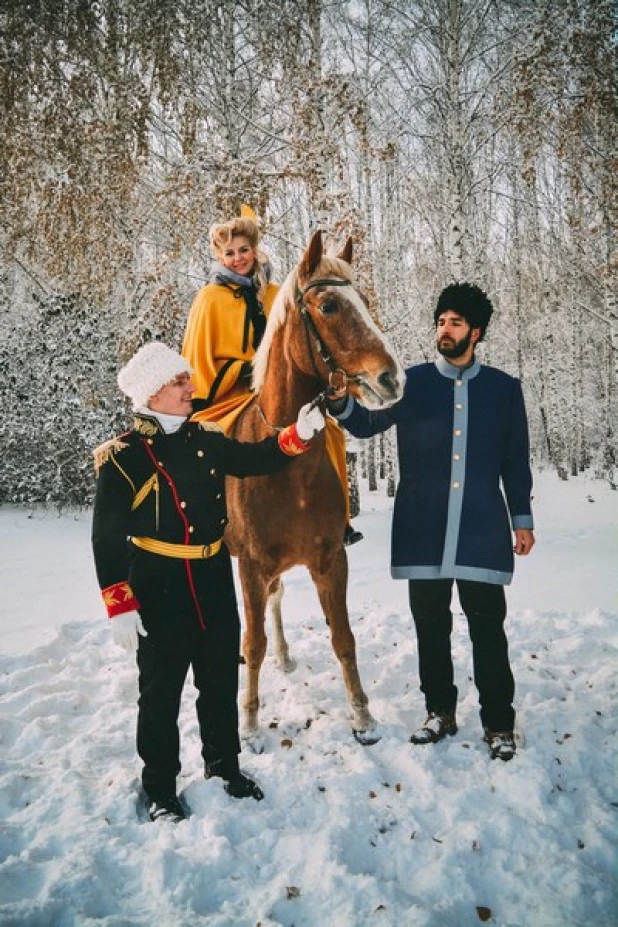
(228, 318)
(225, 327)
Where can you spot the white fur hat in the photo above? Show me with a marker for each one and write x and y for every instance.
(151, 368)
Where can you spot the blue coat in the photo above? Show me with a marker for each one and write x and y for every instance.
(462, 438)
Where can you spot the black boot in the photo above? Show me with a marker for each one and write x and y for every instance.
(241, 786)
(217, 769)
(351, 536)
(437, 725)
(235, 783)
(166, 809)
(501, 745)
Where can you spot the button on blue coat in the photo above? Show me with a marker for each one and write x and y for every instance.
(464, 468)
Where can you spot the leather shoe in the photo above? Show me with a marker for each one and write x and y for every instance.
(166, 809)
(437, 725)
(501, 744)
(241, 786)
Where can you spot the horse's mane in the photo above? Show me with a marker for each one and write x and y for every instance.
(328, 266)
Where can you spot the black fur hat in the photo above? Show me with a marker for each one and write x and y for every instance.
(467, 300)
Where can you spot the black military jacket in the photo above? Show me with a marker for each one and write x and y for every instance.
(170, 487)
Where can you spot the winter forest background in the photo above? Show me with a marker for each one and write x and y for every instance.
(454, 139)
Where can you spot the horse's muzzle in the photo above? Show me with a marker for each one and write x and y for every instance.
(381, 391)
(391, 385)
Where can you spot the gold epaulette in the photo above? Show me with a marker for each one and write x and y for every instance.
(210, 426)
(104, 451)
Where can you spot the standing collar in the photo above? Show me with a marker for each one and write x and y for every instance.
(457, 373)
(151, 423)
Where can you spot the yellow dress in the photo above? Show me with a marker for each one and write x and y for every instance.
(218, 341)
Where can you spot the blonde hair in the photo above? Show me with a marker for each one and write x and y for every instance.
(221, 234)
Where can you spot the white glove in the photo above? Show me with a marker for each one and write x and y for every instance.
(309, 422)
(125, 629)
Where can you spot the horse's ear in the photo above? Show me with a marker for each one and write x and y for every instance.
(312, 256)
(346, 252)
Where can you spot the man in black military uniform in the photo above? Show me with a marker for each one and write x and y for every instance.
(165, 572)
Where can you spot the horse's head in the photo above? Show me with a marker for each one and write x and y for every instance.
(342, 342)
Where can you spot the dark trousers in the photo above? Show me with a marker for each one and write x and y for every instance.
(175, 643)
(484, 606)
(163, 666)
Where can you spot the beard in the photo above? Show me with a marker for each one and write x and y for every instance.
(454, 348)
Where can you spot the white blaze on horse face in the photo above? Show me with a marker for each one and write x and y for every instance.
(380, 388)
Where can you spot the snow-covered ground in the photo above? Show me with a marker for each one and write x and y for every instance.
(347, 836)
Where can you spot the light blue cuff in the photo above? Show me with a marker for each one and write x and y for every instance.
(347, 411)
(522, 521)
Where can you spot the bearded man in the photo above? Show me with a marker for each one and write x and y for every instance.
(463, 506)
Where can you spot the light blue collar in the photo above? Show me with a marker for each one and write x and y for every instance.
(457, 373)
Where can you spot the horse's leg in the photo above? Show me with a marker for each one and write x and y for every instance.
(331, 587)
(255, 591)
(282, 652)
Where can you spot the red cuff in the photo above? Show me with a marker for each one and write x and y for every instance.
(119, 599)
(290, 443)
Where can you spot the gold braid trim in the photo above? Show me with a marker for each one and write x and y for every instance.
(141, 494)
(210, 426)
(126, 475)
(104, 451)
(144, 426)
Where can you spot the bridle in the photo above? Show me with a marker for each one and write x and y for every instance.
(338, 378)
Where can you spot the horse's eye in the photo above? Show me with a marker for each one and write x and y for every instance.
(328, 307)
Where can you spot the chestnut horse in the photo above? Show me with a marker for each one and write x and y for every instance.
(318, 324)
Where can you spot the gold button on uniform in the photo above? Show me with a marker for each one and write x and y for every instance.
(183, 505)
(455, 485)
(218, 496)
(458, 405)
(458, 431)
(200, 453)
(149, 440)
(191, 529)
(456, 456)
(458, 382)
(213, 472)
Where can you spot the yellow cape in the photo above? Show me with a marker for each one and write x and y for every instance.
(213, 345)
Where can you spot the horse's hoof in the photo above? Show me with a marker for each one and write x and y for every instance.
(286, 666)
(252, 741)
(367, 738)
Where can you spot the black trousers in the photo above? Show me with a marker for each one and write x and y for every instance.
(175, 643)
(484, 606)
